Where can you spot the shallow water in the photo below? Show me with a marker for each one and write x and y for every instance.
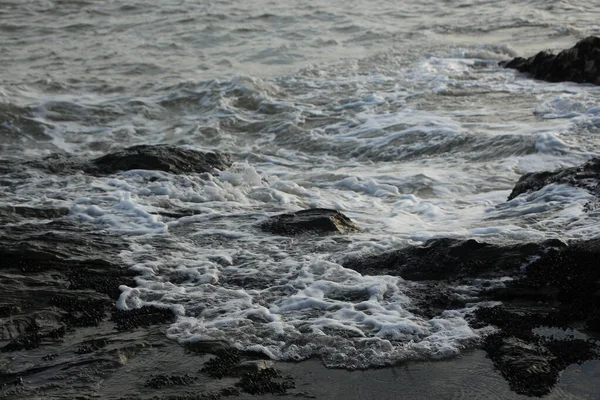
(395, 114)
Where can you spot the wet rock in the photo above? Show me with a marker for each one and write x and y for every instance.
(50, 357)
(27, 342)
(265, 381)
(527, 367)
(141, 317)
(162, 381)
(565, 279)
(316, 220)
(91, 346)
(586, 176)
(581, 63)
(530, 363)
(102, 279)
(512, 323)
(444, 259)
(532, 367)
(161, 157)
(222, 364)
(8, 310)
(166, 158)
(33, 340)
(433, 298)
(252, 366)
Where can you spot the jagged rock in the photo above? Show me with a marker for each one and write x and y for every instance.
(141, 317)
(526, 366)
(448, 258)
(581, 63)
(532, 367)
(586, 176)
(223, 364)
(265, 381)
(316, 220)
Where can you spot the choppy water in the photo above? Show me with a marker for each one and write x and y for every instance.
(394, 113)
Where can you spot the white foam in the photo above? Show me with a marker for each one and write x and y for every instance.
(409, 150)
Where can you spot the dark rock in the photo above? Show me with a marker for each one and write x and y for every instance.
(159, 158)
(91, 346)
(581, 63)
(222, 364)
(593, 323)
(443, 259)
(532, 364)
(141, 317)
(532, 367)
(102, 279)
(513, 323)
(161, 381)
(316, 220)
(9, 310)
(50, 357)
(24, 343)
(573, 270)
(554, 285)
(265, 381)
(434, 298)
(527, 367)
(586, 176)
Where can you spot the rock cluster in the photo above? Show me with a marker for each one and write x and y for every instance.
(580, 64)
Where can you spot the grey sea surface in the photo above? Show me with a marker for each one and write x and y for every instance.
(395, 113)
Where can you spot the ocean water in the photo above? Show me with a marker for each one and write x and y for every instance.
(394, 113)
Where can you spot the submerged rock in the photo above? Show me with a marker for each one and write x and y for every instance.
(316, 220)
(586, 176)
(446, 259)
(581, 63)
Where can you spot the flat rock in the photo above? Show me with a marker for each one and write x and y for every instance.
(580, 64)
(316, 220)
(586, 176)
(162, 157)
(447, 259)
(159, 158)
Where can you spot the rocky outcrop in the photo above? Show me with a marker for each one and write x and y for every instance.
(581, 63)
(316, 220)
(161, 157)
(451, 259)
(532, 366)
(586, 176)
(553, 285)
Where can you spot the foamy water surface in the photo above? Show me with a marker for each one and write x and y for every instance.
(396, 114)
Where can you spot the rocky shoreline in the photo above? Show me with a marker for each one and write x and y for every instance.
(580, 64)
(62, 333)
